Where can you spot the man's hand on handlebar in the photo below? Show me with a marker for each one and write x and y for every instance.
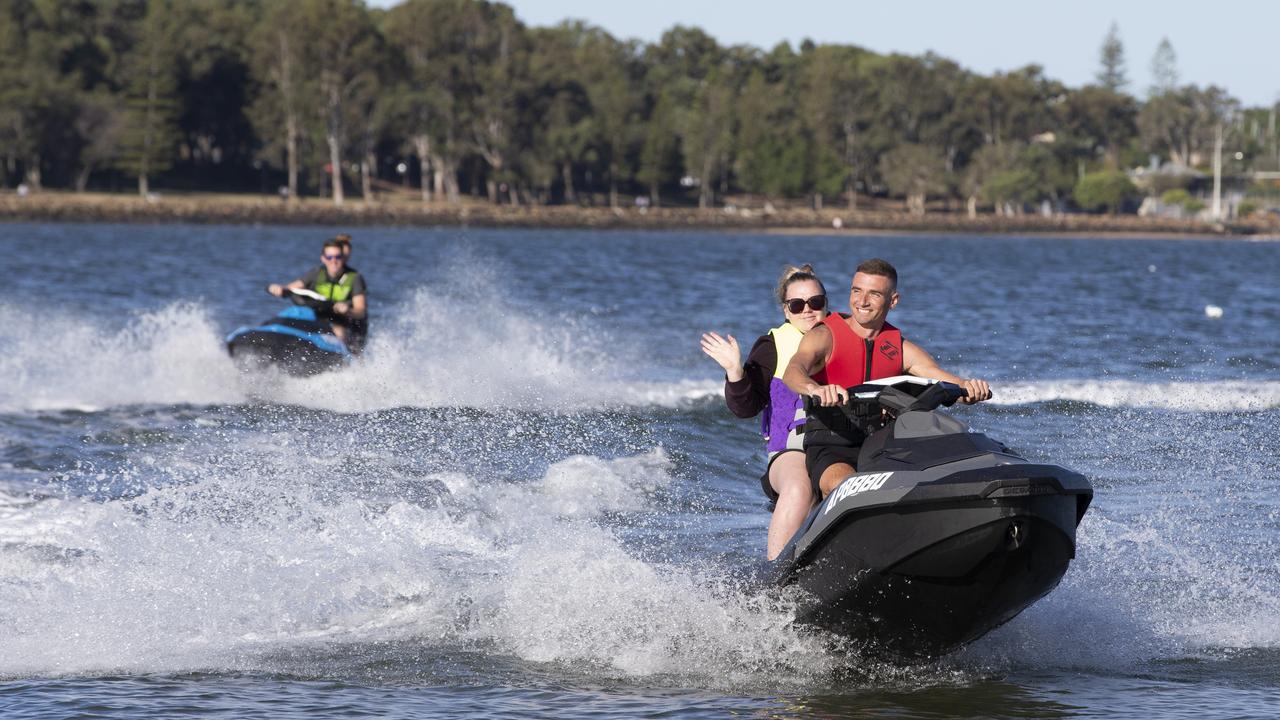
(975, 391)
(341, 308)
(829, 395)
(277, 290)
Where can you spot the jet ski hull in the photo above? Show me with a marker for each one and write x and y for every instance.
(954, 570)
(943, 535)
(294, 341)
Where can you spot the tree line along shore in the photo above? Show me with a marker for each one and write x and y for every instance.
(459, 99)
(251, 210)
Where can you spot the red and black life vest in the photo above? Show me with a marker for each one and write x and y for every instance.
(855, 360)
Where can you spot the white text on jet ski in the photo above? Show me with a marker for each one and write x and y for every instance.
(854, 485)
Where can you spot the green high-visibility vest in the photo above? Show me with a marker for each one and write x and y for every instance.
(335, 291)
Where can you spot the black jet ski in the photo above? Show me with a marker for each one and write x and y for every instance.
(940, 536)
(298, 340)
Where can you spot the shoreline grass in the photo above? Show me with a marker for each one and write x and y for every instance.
(400, 211)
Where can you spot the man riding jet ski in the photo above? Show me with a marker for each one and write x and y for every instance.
(342, 289)
(940, 536)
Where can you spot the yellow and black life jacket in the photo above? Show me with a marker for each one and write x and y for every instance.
(338, 291)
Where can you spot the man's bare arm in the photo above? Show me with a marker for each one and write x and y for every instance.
(278, 290)
(915, 361)
(811, 357)
(357, 308)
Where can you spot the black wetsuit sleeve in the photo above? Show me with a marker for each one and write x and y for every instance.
(357, 285)
(748, 396)
(309, 278)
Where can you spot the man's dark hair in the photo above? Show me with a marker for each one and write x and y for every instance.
(876, 266)
(334, 243)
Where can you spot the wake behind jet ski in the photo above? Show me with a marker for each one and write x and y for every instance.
(940, 536)
(298, 339)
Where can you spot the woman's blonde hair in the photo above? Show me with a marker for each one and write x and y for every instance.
(794, 273)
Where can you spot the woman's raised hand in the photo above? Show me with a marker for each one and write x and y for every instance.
(725, 351)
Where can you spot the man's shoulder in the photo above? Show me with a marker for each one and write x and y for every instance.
(358, 285)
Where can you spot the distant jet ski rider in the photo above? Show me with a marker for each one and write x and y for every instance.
(341, 286)
(843, 352)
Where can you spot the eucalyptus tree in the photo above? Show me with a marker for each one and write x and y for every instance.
(1099, 122)
(372, 107)
(660, 149)
(370, 116)
(914, 171)
(60, 66)
(954, 129)
(1018, 105)
(771, 154)
(905, 103)
(835, 113)
(1031, 173)
(100, 123)
(986, 175)
(34, 94)
(696, 78)
(920, 103)
(280, 110)
(1049, 177)
(611, 75)
(706, 130)
(431, 38)
(557, 128)
(213, 81)
(338, 45)
(497, 75)
(1182, 124)
(149, 82)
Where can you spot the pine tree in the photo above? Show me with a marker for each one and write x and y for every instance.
(1111, 75)
(1164, 69)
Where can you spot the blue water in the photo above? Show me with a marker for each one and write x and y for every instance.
(528, 500)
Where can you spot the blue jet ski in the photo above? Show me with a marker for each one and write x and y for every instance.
(298, 340)
(940, 536)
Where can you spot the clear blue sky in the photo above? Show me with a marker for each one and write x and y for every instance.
(1230, 43)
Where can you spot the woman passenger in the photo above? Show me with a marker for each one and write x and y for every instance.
(757, 387)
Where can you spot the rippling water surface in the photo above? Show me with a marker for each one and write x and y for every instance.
(528, 499)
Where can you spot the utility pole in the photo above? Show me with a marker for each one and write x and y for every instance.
(1217, 173)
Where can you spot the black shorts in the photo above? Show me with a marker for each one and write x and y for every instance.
(824, 448)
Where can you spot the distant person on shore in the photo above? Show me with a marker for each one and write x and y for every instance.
(343, 287)
(757, 387)
(847, 351)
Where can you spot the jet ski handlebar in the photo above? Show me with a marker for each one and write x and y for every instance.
(897, 394)
(308, 298)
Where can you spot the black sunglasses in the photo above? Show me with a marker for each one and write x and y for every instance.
(332, 257)
(796, 305)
